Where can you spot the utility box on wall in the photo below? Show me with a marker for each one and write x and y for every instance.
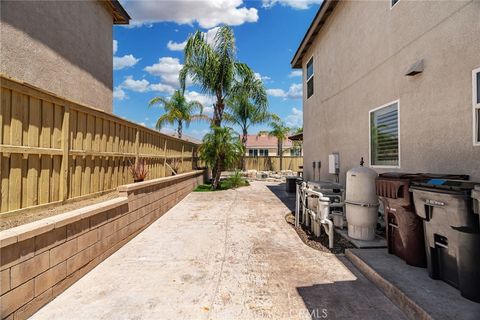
(333, 167)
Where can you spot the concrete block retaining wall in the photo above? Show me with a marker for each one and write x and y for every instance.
(39, 260)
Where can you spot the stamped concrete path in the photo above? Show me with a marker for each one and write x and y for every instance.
(222, 255)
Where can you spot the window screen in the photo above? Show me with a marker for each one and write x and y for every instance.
(310, 78)
(310, 87)
(384, 136)
(478, 87)
(476, 105)
(478, 125)
(393, 2)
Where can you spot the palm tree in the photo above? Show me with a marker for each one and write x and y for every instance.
(279, 131)
(297, 145)
(220, 143)
(242, 112)
(178, 110)
(215, 68)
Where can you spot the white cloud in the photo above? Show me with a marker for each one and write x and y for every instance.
(206, 100)
(294, 92)
(263, 78)
(295, 119)
(124, 62)
(295, 73)
(167, 69)
(176, 46)
(198, 134)
(119, 94)
(135, 85)
(296, 4)
(276, 93)
(160, 87)
(207, 13)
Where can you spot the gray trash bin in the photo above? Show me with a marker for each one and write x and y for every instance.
(476, 201)
(452, 232)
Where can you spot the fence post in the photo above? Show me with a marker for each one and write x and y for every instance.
(65, 154)
(165, 158)
(183, 148)
(137, 145)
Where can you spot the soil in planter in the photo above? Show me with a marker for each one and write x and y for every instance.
(8, 221)
(319, 243)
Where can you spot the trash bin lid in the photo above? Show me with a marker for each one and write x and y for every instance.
(399, 175)
(457, 186)
(417, 176)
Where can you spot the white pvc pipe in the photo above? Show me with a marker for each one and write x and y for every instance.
(297, 205)
(321, 216)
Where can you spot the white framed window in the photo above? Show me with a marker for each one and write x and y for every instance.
(309, 78)
(393, 3)
(385, 136)
(476, 106)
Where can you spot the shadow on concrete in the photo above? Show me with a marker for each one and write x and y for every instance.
(351, 299)
(288, 199)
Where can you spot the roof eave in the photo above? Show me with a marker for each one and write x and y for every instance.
(323, 13)
(119, 14)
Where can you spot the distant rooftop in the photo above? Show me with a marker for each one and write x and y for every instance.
(265, 141)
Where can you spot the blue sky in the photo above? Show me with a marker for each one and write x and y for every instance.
(148, 54)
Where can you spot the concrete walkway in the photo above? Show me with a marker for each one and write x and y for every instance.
(222, 255)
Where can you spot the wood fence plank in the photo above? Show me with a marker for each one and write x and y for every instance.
(33, 165)
(16, 120)
(4, 176)
(53, 149)
(45, 160)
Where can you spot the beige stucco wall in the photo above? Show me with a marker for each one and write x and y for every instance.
(61, 46)
(360, 58)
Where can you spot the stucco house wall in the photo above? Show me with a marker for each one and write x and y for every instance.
(64, 47)
(361, 55)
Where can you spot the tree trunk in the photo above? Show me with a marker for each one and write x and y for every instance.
(218, 112)
(216, 174)
(217, 121)
(280, 153)
(180, 129)
(244, 143)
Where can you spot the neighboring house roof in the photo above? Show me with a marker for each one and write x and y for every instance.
(265, 141)
(322, 15)
(296, 137)
(119, 14)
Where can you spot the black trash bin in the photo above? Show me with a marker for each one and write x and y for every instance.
(291, 184)
(404, 229)
(452, 232)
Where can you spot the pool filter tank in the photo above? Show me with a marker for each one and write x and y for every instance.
(361, 203)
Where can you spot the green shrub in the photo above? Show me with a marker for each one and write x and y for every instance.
(236, 180)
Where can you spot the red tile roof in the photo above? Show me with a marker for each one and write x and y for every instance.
(265, 141)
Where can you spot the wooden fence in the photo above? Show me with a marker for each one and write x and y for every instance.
(53, 149)
(272, 163)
